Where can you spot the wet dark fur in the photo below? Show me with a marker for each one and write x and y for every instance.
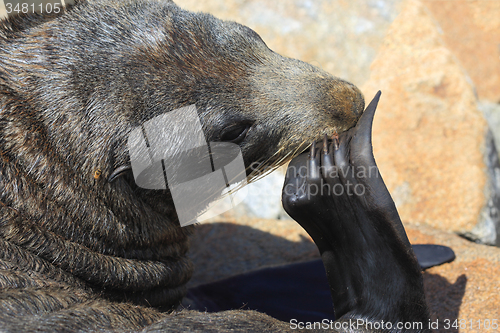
(78, 252)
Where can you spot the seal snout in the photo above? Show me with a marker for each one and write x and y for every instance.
(353, 102)
(345, 106)
(358, 104)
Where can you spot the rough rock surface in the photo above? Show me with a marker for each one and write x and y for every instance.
(475, 40)
(467, 289)
(429, 135)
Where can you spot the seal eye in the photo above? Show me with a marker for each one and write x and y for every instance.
(235, 133)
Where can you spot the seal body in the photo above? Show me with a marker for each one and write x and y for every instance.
(72, 88)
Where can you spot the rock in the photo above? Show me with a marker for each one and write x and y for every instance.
(487, 231)
(491, 112)
(475, 41)
(429, 136)
(263, 198)
(467, 289)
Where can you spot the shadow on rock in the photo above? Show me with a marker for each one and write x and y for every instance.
(221, 250)
(227, 255)
(444, 300)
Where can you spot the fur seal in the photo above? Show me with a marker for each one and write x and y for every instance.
(87, 254)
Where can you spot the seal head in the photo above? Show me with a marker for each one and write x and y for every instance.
(75, 85)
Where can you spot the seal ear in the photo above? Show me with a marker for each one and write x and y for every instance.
(118, 172)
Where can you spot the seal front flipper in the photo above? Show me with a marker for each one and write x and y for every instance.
(337, 194)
